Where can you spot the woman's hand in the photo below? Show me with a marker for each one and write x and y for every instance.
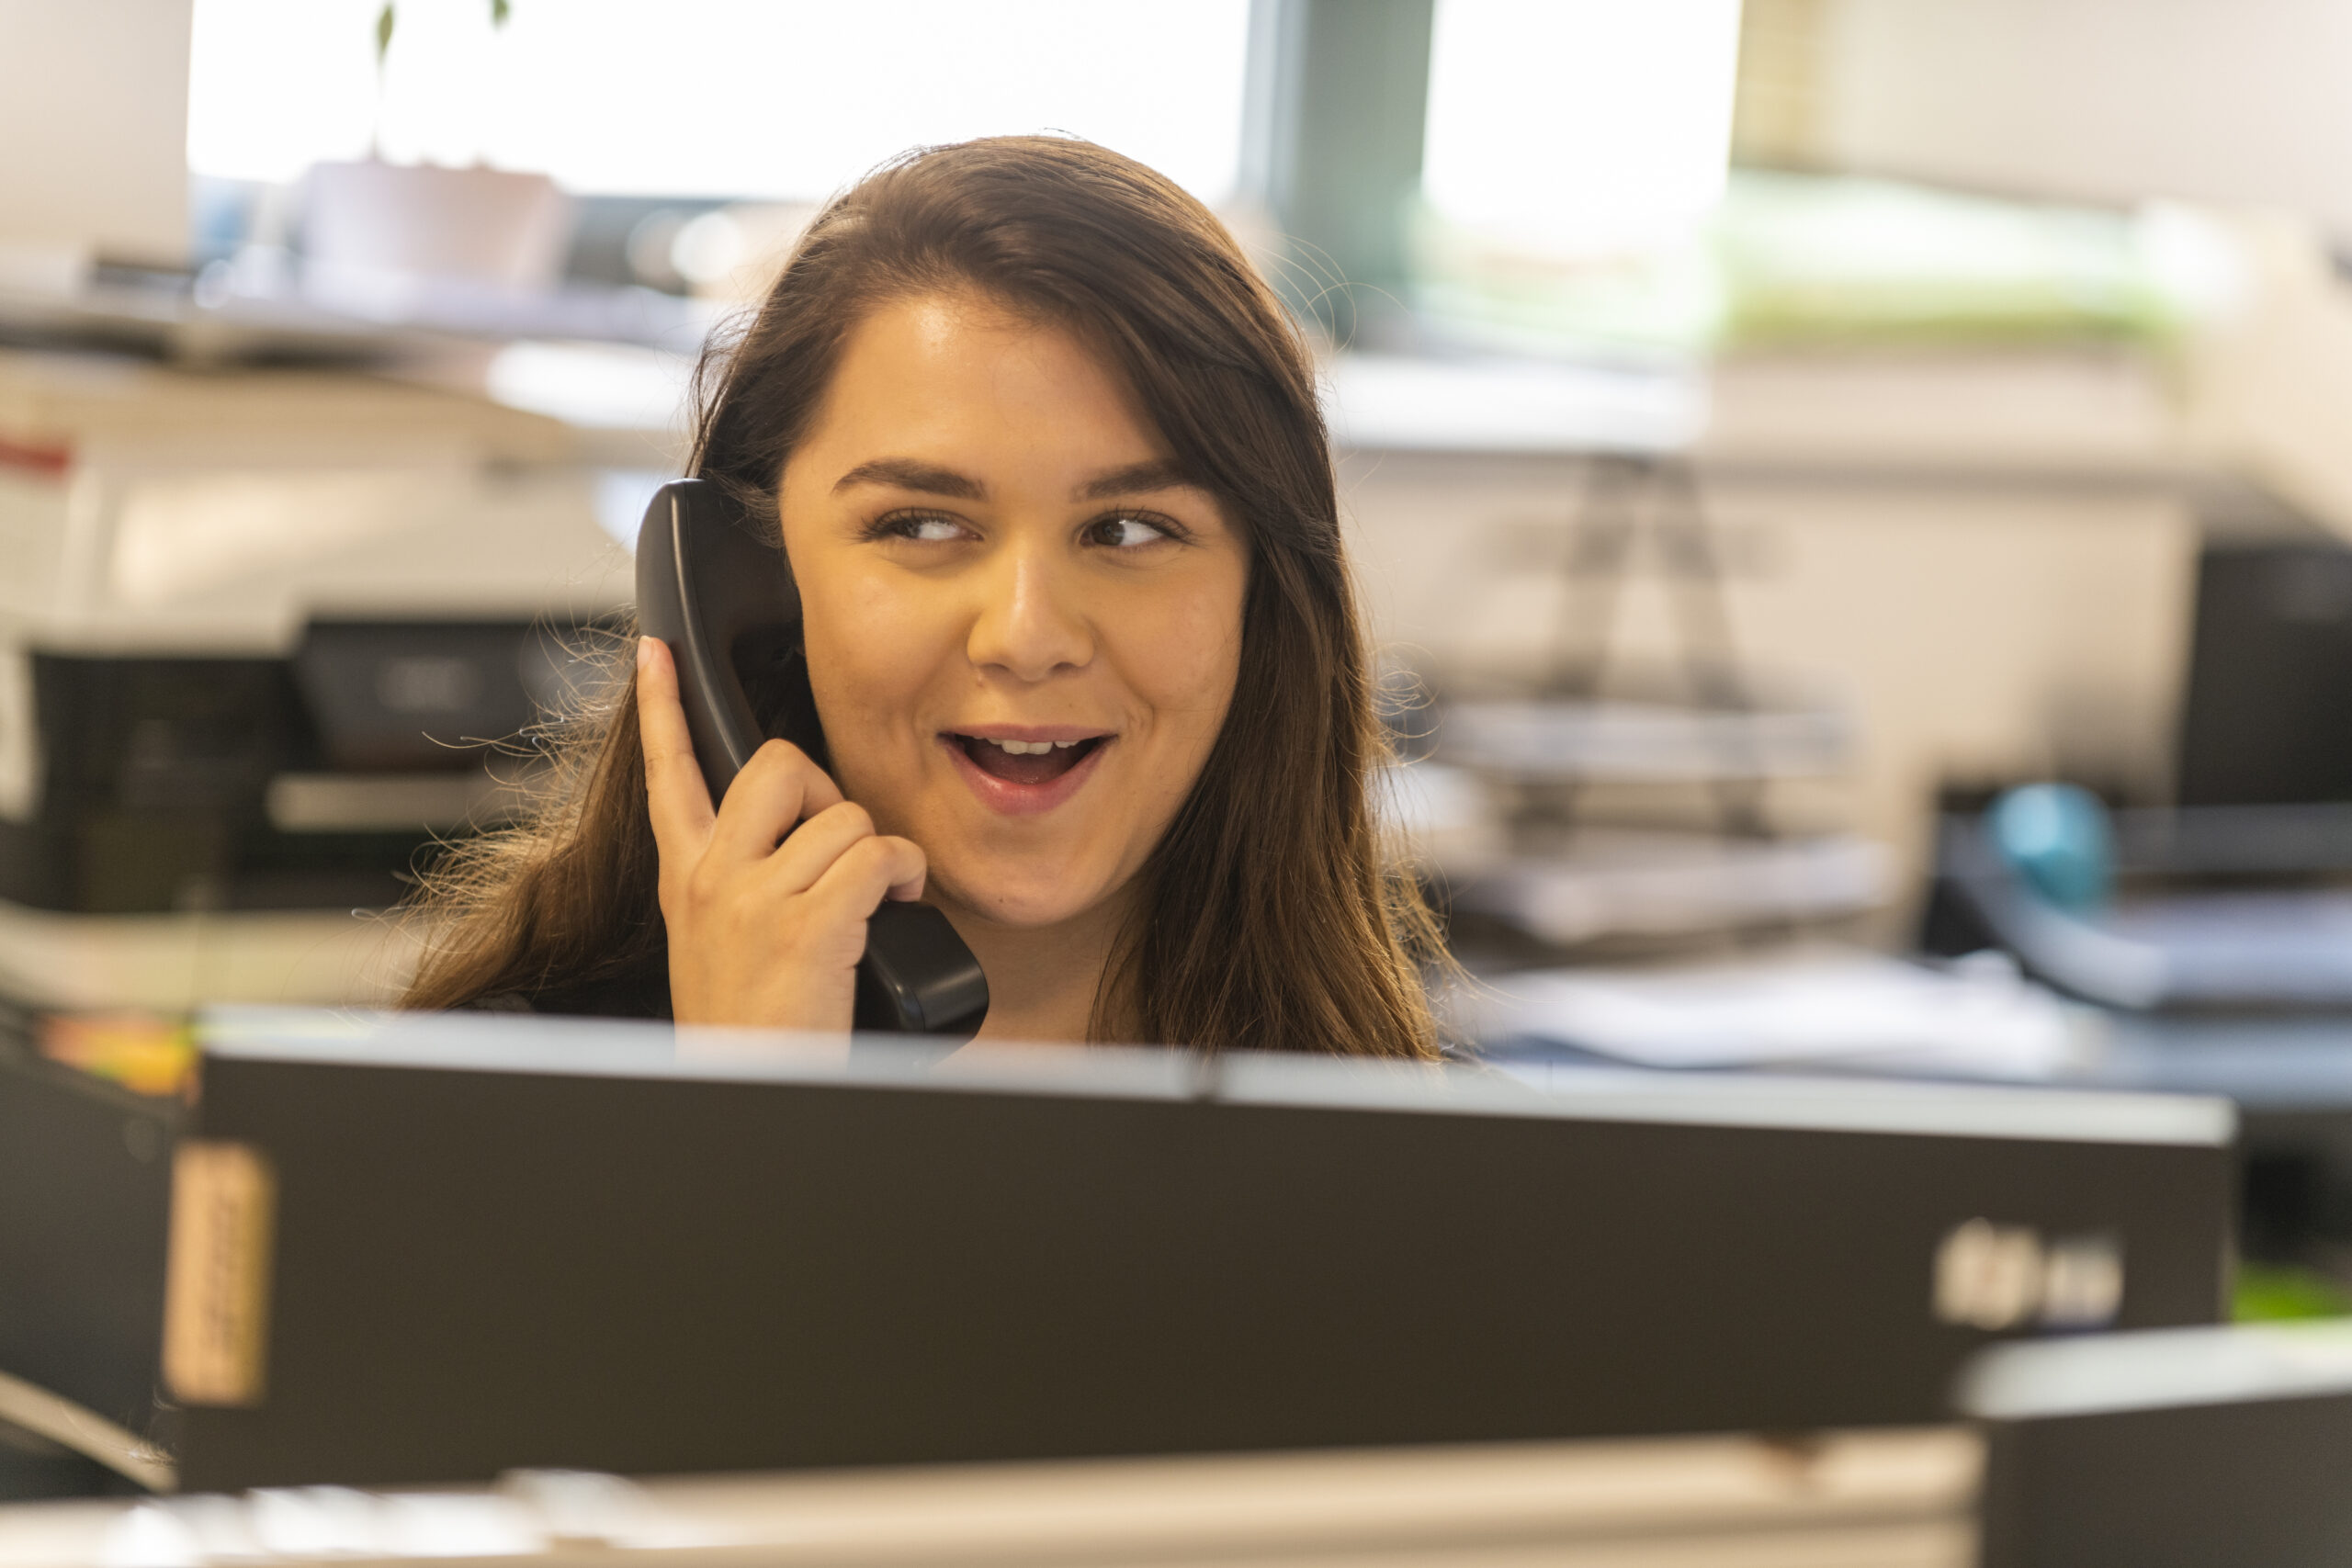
(766, 929)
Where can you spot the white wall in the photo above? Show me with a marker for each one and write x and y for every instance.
(94, 126)
(2236, 102)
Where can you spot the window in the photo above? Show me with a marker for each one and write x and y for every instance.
(784, 99)
(1586, 126)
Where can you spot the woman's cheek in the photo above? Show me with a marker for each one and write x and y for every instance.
(1186, 661)
(869, 667)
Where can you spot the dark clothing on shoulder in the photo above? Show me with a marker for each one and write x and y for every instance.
(625, 996)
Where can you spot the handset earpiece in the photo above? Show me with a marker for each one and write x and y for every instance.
(706, 585)
(715, 592)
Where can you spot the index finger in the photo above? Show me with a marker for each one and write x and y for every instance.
(777, 789)
(677, 797)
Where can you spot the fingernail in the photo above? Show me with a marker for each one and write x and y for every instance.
(644, 651)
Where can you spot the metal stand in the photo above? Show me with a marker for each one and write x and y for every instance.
(1626, 496)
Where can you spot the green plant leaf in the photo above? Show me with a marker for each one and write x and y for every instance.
(383, 33)
(2271, 1292)
(499, 11)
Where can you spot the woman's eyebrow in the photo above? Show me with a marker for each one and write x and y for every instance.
(1157, 473)
(909, 473)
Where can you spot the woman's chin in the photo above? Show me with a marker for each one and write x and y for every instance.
(1030, 903)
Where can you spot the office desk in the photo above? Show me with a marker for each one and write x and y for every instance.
(2282, 1065)
(1901, 1499)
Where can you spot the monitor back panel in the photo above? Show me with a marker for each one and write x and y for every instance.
(85, 1188)
(475, 1270)
(2175, 1450)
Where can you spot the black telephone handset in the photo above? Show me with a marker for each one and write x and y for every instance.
(724, 601)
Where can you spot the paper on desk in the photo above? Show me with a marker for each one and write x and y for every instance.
(1978, 1017)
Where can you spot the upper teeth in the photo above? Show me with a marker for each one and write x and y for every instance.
(1031, 748)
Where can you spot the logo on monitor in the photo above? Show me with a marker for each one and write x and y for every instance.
(1993, 1277)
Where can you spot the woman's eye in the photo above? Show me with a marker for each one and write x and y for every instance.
(1128, 533)
(926, 530)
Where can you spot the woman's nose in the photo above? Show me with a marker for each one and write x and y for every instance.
(1029, 624)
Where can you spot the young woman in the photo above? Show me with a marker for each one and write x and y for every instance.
(1046, 458)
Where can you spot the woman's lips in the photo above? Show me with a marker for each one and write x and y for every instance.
(1024, 781)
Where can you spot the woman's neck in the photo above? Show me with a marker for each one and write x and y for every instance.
(1042, 979)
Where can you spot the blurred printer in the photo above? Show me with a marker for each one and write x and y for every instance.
(261, 635)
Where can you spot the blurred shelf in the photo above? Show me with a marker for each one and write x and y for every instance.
(1396, 402)
(198, 322)
(172, 963)
(1536, 739)
(1627, 881)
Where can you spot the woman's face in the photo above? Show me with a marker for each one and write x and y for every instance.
(1022, 629)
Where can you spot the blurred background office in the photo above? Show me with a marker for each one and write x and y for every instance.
(1851, 492)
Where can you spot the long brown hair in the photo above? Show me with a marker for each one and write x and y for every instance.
(1269, 918)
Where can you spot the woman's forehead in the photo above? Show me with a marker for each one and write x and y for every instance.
(968, 387)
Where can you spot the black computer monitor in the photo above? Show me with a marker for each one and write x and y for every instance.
(2267, 717)
(435, 1249)
(2177, 1448)
(85, 1190)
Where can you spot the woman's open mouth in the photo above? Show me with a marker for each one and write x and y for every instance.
(1020, 777)
(1025, 761)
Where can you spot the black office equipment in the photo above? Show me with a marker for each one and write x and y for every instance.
(499, 1242)
(309, 778)
(2175, 1449)
(84, 1182)
(724, 601)
(2267, 716)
